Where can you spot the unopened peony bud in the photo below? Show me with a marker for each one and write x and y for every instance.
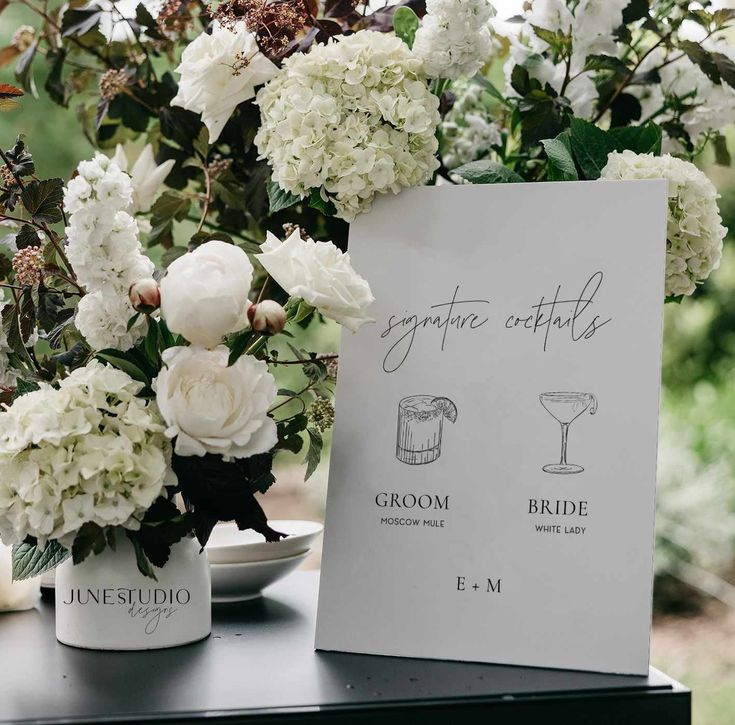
(145, 295)
(267, 316)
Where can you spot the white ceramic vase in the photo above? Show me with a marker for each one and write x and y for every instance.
(106, 603)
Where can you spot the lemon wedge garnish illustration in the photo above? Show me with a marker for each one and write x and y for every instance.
(447, 407)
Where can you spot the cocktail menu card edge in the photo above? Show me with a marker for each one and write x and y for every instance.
(492, 476)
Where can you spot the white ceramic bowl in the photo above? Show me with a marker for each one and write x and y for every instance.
(240, 582)
(229, 545)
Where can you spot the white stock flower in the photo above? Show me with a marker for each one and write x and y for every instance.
(352, 119)
(89, 451)
(454, 39)
(104, 251)
(102, 318)
(212, 408)
(146, 176)
(321, 275)
(695, 231)
(220, 71)
(204, 295)
(468, 130)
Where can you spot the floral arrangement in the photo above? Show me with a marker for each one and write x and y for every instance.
(141, 300)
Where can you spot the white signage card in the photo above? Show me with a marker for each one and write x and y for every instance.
(491, 493)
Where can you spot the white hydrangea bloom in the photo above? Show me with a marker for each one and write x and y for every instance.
(468, 130)
(695, 231)
(454, 38)
(105, 252)
(89, 451)
(218, 72)
(352, 118)
(102, 318)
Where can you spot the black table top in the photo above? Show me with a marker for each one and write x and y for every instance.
(260, 666)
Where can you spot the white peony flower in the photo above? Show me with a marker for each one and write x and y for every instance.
(220, 71)
(454, 39)
(146, 176)
(204, 295)
(468, 130)
(695, 231)
(321, 275)
(89, 451)
(102, 317)
(352, 118)
(212, 408)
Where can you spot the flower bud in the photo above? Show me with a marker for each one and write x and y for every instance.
(267, 316)
(145, 295)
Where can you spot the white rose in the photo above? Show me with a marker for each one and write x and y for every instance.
(212, 408)
(321, 275)
(220, 71)
(204, 295)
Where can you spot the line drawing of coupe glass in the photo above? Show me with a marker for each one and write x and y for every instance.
(420, 423)
(566, 408)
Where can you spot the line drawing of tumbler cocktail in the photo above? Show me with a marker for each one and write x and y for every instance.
(420, 422)
(566, 408)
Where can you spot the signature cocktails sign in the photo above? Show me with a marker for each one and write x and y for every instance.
(492, 480)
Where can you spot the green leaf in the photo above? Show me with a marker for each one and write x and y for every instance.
(79, 22)
(405, 24)
(43, 200)
(716, 66)
(122, 361)
(21, 161)
(144, 566)
(644, 139)
(90, 538)
(561, 165)
(590, 146)
(487, 172)
(489, 87)
(636, 10)
(29, 560)
(238, 346)
(314, 453)
(172, 254)
(722, 154)
(606, 62)
(278, 198)
(559, 41)
(22, 387)
(317, 202)
(170, 205)
(54, 85)
(27, 236)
